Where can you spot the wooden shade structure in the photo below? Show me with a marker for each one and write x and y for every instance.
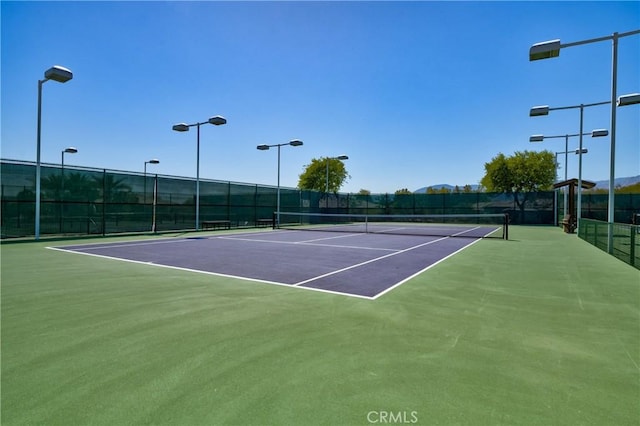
(569, 222)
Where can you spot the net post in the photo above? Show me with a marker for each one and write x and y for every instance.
(506, 226)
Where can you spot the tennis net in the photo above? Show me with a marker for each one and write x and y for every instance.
(449, 225)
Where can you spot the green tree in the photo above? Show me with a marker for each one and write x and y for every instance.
(115, 190)
(314, 176)
(519, 175)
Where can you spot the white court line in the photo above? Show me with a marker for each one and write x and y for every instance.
(332, 238)
(305, 243)
(296, 285)
(398, 284)
(217, 274)
(383, 231)
(98, 246)
(369, 261)
(468, 230)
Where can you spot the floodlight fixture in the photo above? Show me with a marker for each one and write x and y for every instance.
(58, 73)
(181, 127)
(582, 151)
(69, 150)
(152, 161)
(631, 99)
(545, 50)
(339, 157)
(536, 138)
(598, 133)
(539, 110)
(295, 142)
(217, 120)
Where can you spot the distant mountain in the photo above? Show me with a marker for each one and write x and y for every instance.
(439, 186)
(618, 182)
(601, 184)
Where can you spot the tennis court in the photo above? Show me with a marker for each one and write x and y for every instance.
(365, 259)
(540, 329)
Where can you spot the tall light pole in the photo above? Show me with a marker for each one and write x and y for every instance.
(294, 142)
(61, 75)
(594, 134)
(155, 192)
(152, 161)
(183, 127)
(544, 110)
(551, 49)
(69, 150)
(328, 159)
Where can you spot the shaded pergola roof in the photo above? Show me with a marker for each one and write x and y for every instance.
(586, 184)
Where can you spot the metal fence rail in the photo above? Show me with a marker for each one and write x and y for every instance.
(626, 239)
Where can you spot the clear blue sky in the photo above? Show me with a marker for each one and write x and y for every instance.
(416, 93)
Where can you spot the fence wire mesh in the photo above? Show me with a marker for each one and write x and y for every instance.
(80, 200)
(625, 239)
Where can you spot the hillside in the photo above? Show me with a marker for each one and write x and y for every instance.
(602, 184)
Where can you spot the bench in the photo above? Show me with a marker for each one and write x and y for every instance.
(568, 224)
(215, 224)
(260, 223)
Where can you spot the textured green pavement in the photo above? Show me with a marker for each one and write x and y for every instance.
(542, 329)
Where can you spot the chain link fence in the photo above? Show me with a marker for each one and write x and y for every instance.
(88, 201)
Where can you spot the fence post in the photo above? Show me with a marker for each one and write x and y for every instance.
(104, 201)
(632, 250)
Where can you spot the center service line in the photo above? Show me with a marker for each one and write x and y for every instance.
(369, 261)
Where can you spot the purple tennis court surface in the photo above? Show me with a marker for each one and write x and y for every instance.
(353, 264)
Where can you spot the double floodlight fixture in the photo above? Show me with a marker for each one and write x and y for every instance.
(294, 142)
(541, 110)
(215, 120)
(597, 133)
